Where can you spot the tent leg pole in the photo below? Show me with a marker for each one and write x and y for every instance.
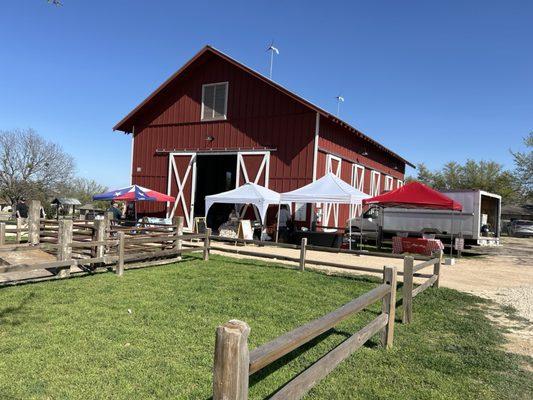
(277, 223)
(361, 231)
(451, 237)
(350, 231)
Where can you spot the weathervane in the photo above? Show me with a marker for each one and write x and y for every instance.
(272, 50)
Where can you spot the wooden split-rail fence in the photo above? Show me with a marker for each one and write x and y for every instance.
(81, 246)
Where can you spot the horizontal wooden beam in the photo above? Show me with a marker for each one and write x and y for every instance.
(300, 385)
(425, 264)
(282, 345)
(425, 285)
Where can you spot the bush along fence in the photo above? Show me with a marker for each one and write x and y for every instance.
(234, 363)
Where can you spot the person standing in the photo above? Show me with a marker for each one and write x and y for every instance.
(284, 218)
(117, 214)
(22, 209)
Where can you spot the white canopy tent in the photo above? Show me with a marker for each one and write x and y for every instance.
(328, 189)
(249, 193)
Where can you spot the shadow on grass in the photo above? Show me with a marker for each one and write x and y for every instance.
(12, 311)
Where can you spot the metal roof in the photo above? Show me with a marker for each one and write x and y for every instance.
(126, 124)
(66, 201)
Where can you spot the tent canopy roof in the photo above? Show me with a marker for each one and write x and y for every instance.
(134, 193)
(415, 195)
(328, 189)
(249, 193)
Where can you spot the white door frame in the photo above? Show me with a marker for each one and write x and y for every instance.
(181, 181)
(358, 182)
(375, 183)
(389, 183)
(263, 167)
(329, 206)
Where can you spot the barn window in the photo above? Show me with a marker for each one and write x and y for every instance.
(399, 184)
(214, 101)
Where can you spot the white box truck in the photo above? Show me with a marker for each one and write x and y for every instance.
(479, 222)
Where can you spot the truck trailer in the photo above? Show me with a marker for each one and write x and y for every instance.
(478, 223)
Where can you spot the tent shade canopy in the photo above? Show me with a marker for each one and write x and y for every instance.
(134, 193)
(249, 193)
(415, 195)
(328, 189)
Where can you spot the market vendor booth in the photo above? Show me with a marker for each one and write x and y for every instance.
(416, 195)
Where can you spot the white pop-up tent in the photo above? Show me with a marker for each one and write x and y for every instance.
(249, 193)
(328, 189)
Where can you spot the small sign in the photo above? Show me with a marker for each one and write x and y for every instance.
(459, 244)
(200, 225)
(245, 230)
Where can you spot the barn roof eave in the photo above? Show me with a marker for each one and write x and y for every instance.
(127, 123)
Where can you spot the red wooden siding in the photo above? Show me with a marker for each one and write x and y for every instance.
(258, 117)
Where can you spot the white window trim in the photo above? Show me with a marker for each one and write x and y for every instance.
(375, 184)
(329, 164)
(399, 183)
(389, 183)
(225, 116)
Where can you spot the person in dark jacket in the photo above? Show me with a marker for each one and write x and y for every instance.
(117, 214)
(21, 209)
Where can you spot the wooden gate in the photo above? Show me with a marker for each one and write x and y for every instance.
(182, 185)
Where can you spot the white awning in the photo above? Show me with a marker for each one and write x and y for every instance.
(249, 193)
(328, 189)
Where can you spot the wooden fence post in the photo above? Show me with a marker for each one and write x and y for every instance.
(34, 216)
(436, 269)
(206, 244)
(303, 251)
(2, 233)
(18, 235)
(388, 306)
(232, 361)
(178, 231)
(64, 251)
(120, 262)
(99, 235)
(407, 289)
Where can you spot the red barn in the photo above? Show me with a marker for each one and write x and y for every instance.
(216, 124)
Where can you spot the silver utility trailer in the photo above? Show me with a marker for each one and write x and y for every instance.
(479, 222)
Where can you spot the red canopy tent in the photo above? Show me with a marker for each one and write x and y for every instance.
(416, 195)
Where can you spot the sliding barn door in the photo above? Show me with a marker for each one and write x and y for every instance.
(252, 167)
(181, 185)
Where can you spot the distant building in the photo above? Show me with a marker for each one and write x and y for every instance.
(216, 124)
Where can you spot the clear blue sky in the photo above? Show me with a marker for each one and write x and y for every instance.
(434, 81)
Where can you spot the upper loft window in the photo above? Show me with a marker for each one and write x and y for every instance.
(214, 101)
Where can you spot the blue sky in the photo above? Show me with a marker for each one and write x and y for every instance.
(433, 81)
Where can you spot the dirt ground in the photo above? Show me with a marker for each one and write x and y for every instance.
(503, 274)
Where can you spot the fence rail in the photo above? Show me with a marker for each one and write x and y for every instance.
(234, 362)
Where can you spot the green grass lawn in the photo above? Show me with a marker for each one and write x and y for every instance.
(75, 339)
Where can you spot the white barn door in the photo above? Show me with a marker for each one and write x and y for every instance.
(333, 165)
(182, 185)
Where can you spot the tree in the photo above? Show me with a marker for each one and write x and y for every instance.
(82, 189)
(524, 169)
(31, 166)
(483, 175)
